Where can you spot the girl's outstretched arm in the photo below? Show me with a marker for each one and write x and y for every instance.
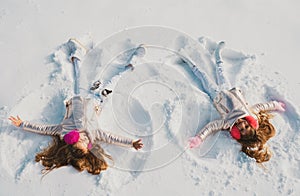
(118, 140)
(209, 129)
(269, 106)
(36, 128)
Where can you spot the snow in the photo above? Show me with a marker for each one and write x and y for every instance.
(160, 100)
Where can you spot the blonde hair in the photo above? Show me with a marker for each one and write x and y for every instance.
(255, 145)
(59, 154)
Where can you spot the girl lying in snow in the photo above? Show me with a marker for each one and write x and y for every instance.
(250, 126)
(73, 142)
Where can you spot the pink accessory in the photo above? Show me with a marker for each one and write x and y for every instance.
(72, 137)
(235, 133)
(195, 141)
(90, 145)
(252, 122)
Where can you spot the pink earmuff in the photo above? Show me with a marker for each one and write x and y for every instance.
(72, 137)
(252, 122)
(235, 133)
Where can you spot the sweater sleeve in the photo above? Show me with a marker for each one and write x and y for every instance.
(113, 139)
(41, 129)
(211, 128)
(269, 106)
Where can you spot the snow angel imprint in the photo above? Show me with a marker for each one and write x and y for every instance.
(74, 143)
(248, 125)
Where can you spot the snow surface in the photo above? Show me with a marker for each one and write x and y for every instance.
(160, 100)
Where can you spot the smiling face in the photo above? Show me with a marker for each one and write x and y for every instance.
(245, 128)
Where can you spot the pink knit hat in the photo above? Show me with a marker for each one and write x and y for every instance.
(72, 137)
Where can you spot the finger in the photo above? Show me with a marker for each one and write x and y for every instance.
(11, 118)
(140, 145)
(18, 117)
(282, 105)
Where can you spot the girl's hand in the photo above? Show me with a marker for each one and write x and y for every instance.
(15, 121)
(279, 106)
(195, 142)
(138, 144)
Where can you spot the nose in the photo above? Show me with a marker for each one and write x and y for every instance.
(243, 126)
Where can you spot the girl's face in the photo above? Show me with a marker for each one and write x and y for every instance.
(244, 127)
(82, 143)
(81, 146)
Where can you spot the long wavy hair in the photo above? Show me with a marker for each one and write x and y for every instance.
(59, 154)
(254, 144)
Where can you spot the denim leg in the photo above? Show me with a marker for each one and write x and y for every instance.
(76, 76)
(208, 86)
(222, 81)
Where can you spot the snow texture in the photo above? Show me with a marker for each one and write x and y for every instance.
(160, 100)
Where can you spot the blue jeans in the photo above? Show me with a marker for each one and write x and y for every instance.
(76, 76)
(209, 87)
